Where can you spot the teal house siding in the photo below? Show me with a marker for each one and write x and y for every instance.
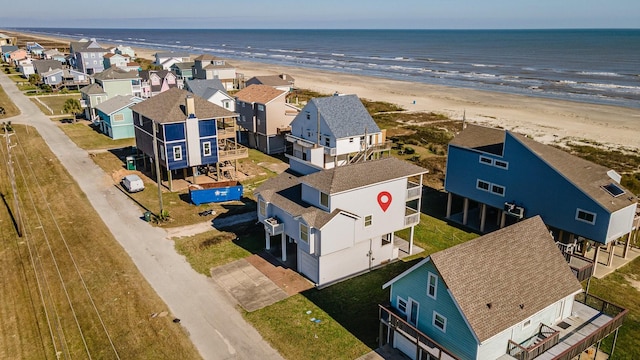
(458, 338)
(118, 129)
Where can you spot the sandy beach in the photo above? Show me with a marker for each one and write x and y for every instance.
(546, 120)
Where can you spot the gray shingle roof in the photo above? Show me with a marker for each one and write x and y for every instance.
(343, 178)
(345, 115)
(169, 106)
(114, 73)
(184, 65)
(585, 175)
(205, 88)
(42, 66)
(284, 190)
(117, 103)
(94, 88)
(513, 266)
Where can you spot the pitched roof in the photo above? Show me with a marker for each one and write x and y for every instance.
(184, 65)
(285, 192)
(94, 88)
(258, 94)
(481, 138)
(506, 276)
(348, 177)
(169, 106)
(114, 73)
(117, 103)
(345, 115)
(205, 88)
(42, 66)
(585, 175)
(162, 74)
(273, 80)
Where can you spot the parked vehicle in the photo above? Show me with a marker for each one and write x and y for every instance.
(132, 183)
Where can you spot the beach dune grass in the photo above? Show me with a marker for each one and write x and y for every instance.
(65, 223)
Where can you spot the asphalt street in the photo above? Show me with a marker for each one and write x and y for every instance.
(205, 310)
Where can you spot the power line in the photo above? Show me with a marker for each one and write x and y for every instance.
(84, 284)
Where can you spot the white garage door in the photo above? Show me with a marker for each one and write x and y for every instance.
(403, 344)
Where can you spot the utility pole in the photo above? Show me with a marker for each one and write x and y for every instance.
(157, 164)
(12, 178)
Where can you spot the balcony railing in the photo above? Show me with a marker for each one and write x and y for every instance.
(225, 133)
(581, 267)
(411, 216)
(617, 313)
(240, 153)
(397, 322)
(413, 190)
(274, 226)
(545, 339)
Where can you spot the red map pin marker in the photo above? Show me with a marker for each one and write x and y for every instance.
(384, 200)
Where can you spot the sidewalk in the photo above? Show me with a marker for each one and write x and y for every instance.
(207, 312)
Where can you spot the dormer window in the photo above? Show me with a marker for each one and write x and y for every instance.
(324, 199)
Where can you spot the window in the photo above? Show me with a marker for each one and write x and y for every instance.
(586, 216)
(486, 160)
(324, 199)
(482, 185)
(497, 189)
(206, 148)
(118, 117)
(402, 305)
(501, 164)
(260, 107)
(432, 285)
(368, 220)
(53, 79)
(85, 55)
(263, 208)
(177, 153)
(526, 324)
(226, 104)
(413, 312)
(350, 140)
(327, 141)
(304, 233)
(308, 116)
(439, 321)
(162, 152)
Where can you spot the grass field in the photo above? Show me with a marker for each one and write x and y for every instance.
(10, 109)
(68, 289)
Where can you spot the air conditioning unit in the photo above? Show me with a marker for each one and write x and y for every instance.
(514, 210)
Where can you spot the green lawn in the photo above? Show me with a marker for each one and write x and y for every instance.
(214, 248)
(56, 102)
(621, 288)
(89, 138)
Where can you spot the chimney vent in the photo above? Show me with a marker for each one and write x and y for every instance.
(190, 106)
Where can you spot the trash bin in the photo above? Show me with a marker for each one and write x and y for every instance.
(131, 163)
(147, 216)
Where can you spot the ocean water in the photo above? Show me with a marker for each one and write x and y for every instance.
(596, 66)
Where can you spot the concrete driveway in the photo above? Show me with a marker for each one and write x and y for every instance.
(206, 311)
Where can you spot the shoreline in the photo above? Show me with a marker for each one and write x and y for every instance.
(546, 120)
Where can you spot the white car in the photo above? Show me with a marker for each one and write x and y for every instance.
(132, 183)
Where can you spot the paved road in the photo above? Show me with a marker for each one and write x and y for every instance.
(206, 311)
